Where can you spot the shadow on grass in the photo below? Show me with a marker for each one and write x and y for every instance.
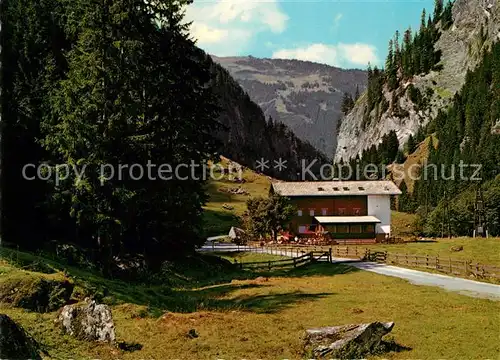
(313, 269)
(207, 286)
(390, 345)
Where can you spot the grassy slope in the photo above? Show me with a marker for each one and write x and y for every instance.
(402, 224)
(418, 157)
(218, 220)
(248, 319)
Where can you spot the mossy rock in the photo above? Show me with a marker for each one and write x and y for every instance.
(35, 291)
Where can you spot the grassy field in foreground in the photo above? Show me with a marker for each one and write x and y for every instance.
(247, 319)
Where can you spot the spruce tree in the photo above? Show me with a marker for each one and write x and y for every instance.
(438, 10)
(118, 104)
(356, 94)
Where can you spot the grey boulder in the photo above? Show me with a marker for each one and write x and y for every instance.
(92, 321)
(346, 341)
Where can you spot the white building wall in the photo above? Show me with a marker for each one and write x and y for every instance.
(380, 207)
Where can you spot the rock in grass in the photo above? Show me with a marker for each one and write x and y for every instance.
(15, 343)
(348, 341)
(92, 322)
(35, 291)
(192, 334)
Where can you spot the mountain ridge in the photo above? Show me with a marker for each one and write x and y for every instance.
(306, 96)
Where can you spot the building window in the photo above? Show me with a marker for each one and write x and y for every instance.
(299, 213)
(343, 229)
(341, 211)
(324, 212)
(356, 229)
(311, 212)
(302, 229)
(370, 228)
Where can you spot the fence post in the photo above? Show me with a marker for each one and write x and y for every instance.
(466, 267)
(426, 260)
(406, 258)
(330, 258)
(269, 265)
(451, 271)
(385, 256)
(437, 262)
(311, 256)
(294, 262)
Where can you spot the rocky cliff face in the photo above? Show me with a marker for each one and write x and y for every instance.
(303, 95)
(461, 46)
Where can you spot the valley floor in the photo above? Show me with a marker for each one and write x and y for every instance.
(246, 317)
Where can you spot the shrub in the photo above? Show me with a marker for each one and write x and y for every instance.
(34, 291)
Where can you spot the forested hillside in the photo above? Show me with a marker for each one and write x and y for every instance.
(466, 140)
(87, 88)
(463, 156)
(424, 69)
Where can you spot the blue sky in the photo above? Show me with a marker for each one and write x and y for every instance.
(343, 33)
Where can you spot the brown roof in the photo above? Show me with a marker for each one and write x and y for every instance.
(329, 188)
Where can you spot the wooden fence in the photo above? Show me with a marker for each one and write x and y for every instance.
(307, 258)
(302, 255)
(446, 265)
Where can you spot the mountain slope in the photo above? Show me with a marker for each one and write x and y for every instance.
(305, 96)
(476, 24)
(247, 137)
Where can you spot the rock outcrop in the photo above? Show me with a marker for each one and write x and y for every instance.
(15, 343)
(347, 341)
(460, 46)
(92, 322)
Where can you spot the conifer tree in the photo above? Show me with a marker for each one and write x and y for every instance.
(438, 10)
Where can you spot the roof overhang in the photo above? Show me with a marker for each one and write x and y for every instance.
(347, 219)
(335, 188)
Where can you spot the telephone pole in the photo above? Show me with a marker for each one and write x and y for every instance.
(479, 215)
(446, 215)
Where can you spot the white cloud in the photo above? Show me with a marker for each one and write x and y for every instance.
(226, 27)
(342, 55)
(359, 53)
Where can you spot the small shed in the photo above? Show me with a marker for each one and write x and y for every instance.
(236, 233)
